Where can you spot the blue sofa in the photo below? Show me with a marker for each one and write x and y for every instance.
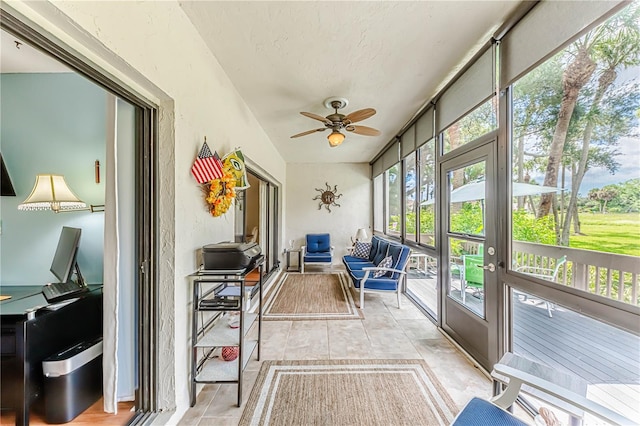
(362, 270)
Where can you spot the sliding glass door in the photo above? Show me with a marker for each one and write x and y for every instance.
(256, 218)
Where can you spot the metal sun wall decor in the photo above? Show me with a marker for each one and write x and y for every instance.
(328, 197)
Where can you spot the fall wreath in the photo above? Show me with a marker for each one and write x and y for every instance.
(221, 192)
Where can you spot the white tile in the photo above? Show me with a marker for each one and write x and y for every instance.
(386, 332)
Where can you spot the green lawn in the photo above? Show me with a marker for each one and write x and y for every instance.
(612, 233)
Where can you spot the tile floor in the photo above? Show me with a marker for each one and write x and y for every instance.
(386, 332)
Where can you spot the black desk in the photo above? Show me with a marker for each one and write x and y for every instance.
(28, 339)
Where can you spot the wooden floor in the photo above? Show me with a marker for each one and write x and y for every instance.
(606, 357)
(93, 415)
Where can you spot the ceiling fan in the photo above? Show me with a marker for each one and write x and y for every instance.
(337, 122)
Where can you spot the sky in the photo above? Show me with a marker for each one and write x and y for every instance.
(629, 149)
(597, 177)
(629, 160)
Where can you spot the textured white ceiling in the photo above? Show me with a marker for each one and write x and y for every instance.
(289, 56)
(286, 57)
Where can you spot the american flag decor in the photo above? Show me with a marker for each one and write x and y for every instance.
(207, 166)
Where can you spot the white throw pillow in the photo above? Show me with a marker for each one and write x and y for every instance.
(361, 249)
(384, 263)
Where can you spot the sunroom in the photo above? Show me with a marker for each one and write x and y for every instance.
(513, 178)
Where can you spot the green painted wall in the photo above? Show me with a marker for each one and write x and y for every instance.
(50, 123)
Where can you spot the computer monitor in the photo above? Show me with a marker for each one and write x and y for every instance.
(64, 261)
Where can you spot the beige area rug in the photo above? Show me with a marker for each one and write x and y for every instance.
(348, 392)
(311, 297)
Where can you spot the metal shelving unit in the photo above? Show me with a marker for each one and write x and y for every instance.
(227, 292)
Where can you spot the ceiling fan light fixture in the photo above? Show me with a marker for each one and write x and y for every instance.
(335, 138)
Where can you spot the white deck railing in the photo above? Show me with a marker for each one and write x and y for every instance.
(614, 276)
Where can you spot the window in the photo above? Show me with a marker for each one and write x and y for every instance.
(393, 197)
(575, 173)
(422, 280)
(427, 194)
(410, 200)
(479, 122)
(605, 357)
(378, 203)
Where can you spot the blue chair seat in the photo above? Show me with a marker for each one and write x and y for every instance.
(479, 412)
(317, 257)
(380, 283)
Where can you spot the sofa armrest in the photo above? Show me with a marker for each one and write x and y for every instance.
(369, 271)
(378, 268)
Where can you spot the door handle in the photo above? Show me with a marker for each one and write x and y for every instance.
(490, 267)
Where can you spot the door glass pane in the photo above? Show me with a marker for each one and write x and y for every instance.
(466, 199)
(606, 358)
(427, 193)
(410, 197)
(393, 200)
(466, 276)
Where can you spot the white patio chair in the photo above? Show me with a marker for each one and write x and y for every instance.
(482, 412)
(549, 274)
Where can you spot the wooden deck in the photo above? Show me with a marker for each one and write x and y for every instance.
(607, 358)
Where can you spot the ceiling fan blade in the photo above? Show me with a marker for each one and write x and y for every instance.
(308, 132)
(363, 130)
(359, 115)
(315, 116)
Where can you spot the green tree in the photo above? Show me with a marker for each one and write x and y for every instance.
(628, 199)
(603, 196)
(575, 76)
(527, 228)
(468, 219)
(617, 46)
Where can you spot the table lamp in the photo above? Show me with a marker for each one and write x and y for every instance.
(361, 234)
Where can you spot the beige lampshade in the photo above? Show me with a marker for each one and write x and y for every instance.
(335, 138)
(51, 192)
(361, 234)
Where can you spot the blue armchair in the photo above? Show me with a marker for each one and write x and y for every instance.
(317, 251)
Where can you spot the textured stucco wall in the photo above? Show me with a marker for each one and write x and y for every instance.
(153, 48)
(303, 217)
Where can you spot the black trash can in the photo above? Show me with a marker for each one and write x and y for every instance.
(72, 381)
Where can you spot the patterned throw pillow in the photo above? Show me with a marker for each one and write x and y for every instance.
(362, 250)
(384, 263)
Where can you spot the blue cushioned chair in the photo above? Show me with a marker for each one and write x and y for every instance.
(317, 251)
